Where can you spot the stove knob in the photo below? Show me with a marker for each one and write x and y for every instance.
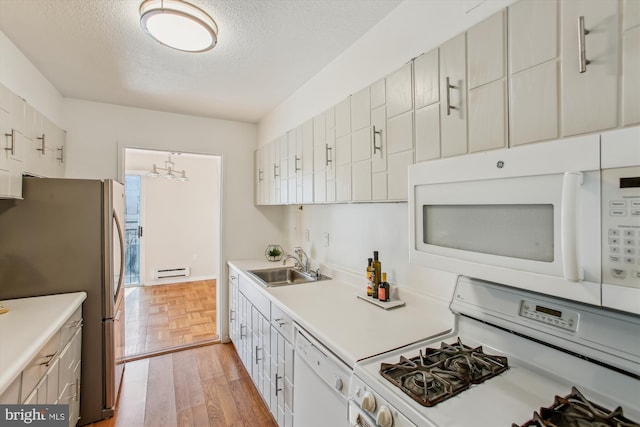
(384, 418)
(339, 384)
(369, 403)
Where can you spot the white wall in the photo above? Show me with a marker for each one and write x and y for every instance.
(180, 218)
(356, 230)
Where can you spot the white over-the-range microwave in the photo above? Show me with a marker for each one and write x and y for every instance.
(561, 218)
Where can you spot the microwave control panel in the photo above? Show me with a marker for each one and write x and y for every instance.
(621, 226)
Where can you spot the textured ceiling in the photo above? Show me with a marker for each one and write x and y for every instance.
(96, 50)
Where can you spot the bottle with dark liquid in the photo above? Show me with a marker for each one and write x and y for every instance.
(377, 270)
(383, 289)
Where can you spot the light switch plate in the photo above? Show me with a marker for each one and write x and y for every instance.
(325, 239)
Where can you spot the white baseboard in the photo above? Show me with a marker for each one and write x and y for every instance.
(178, 280)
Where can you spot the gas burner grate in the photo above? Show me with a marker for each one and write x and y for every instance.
(440, 373)
(575, 410)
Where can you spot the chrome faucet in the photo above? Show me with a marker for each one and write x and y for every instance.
(300, 257)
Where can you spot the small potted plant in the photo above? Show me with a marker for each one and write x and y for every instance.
(273, 253)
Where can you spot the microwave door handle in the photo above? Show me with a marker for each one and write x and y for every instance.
(569, 225)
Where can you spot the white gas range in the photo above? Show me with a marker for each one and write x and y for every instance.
(511, 354)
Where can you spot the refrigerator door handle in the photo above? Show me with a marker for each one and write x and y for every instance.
(121, 241)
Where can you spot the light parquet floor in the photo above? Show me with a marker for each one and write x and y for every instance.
(204, 386)
(163, 317)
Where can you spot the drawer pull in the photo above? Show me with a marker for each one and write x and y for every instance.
(449, 87)
(280, 322)
(376, 147)
(11, 135)
(258, 358)
(49, 358)
(276, 383)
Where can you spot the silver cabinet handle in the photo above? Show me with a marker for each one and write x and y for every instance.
(582, 50)
(375, 147)
(449, 87)
(280, 322)
(276, 381)
(49, 359)
(260, 175)
(61, 158)
(233, 278)
(232, 316)
(327, 150)
(275, 171)
(245, 335)
(297, 159)
(258, 358)
(41, 138)
(12, 135)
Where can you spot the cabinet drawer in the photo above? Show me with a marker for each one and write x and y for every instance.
(39, 365)
(71, 326)
(255, 297)
(282, 322)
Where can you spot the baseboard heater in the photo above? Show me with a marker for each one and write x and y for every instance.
(164, 273)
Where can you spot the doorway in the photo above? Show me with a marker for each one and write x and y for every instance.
(172, 222)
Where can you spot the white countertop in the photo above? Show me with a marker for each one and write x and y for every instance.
(28, 326)
(351, 328)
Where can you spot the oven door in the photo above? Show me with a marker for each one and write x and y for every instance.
(532, 226)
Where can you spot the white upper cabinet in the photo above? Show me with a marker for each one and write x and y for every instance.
(487, 71)
(361, 109)
(589, 65)
(535, 71)
(305, 186)
(259, 177)
(427, 98)
(330, 135)
(630, 85)
(343, 118)
(320, 157)
(453, 90)
(378, 93)
(399, 97)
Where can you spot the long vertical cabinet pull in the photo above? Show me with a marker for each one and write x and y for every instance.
(245, 334)
(582, 50)
(260, 175)
(449, 87)
(276, 382)
(327, 149)
(41, 138)
(275, 171)
(12, 135)
(258, 358)
(297, 169)
(376, 147)
(61, 158)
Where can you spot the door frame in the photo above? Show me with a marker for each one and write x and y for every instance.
(141, 221)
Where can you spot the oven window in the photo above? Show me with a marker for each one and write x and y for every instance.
(516, 231)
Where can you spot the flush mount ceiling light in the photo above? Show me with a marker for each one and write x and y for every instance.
(178, 24)
(171, 172)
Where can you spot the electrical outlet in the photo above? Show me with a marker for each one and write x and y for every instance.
(306, 235)
(325, 240)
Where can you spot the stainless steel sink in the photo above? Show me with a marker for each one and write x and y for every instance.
(282, 276)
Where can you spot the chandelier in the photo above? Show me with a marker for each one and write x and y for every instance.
(170, 171)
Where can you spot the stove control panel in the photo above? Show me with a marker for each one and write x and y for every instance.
(553, 316)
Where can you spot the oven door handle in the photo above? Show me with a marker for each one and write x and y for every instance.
(569, 226)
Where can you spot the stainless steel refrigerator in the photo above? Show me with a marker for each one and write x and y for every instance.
(66, 236)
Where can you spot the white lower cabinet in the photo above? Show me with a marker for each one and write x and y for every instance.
(53, 374)
(263, 335)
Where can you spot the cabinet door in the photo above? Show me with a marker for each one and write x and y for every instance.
(526, 18)
(453, 120)
(631, 63)
(487, 73)
(258, 178)
(427, 79)
(361, 109)
(361, 181)
(305, 176)
(488, 116)
(400, 133)
(379, 186)
(343, 183)
(379, 130)
(589, 90)
(274, 172)
(283, 170)
(397, 175)
(399, 91)
(343, 118)
(5, 99)
(428, 133)
(319, 143)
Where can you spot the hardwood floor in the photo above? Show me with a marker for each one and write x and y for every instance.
(161, 317)
(204, 386)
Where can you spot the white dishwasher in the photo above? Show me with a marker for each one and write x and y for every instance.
(321, 385)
